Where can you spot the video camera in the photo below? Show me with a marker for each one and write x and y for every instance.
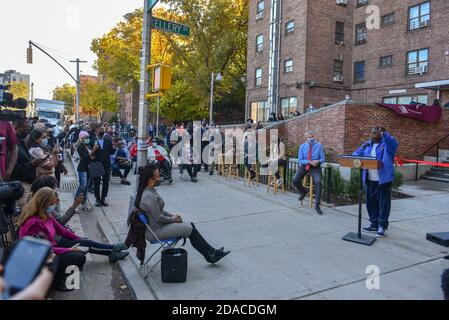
(10, 192)
(7, 101)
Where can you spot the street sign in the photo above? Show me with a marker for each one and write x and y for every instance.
(169, 26)
(151, 4)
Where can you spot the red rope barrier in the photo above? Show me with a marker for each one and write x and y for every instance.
(400, 162)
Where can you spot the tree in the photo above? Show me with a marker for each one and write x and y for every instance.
(66, 93)
(20, 90)
(98, 97)
(118, 51)
(218, 43)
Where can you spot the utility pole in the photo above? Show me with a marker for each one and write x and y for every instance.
(145, 58)
(78, 89)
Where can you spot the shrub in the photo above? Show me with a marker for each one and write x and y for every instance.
(398, 181)
(353, 187)
(338, 184)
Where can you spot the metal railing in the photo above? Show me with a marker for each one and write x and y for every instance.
(436, 146)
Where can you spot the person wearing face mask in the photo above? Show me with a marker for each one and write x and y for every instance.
(310, 157)
(36, 220)
(121, 160)
(86, 155)
(103, 149)
(25, 168)
(37, 145)
(383, 147)
(159, 154)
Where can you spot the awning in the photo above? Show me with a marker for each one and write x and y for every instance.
(434, 85)
(429, 114)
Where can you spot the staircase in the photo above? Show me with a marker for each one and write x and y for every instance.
(438, 173)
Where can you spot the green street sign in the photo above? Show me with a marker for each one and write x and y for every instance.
(151, 3)
(169, 26)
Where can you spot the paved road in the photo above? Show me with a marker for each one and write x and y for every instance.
(282, 251)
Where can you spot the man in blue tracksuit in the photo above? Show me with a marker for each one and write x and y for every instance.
(383, 147)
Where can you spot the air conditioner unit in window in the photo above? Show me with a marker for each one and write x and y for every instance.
(342, 2)
(339, 78)
(259, 16)
(421, 70)
(424, 23)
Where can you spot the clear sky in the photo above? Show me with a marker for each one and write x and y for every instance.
(67, 26)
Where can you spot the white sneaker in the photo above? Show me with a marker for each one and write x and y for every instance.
(280, 182)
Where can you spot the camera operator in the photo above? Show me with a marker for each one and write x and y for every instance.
(25, 169)
(8, 150)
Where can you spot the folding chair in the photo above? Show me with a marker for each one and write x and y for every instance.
(163, 244)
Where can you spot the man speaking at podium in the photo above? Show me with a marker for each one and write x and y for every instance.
(383, 147)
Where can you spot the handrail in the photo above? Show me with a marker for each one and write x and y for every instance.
(433, 146)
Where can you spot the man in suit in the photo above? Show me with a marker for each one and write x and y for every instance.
(103, 150)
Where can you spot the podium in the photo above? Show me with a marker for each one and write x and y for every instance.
(361, 163)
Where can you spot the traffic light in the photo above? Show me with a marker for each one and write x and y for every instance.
(30, 55)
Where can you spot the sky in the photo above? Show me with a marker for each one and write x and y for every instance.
(67, 27)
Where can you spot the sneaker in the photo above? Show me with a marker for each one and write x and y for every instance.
(116, 256)
(280, 182)
(98, 203)
(380, 233)
(120, 247)
(302, 196)
(318, 210)
(370, 228)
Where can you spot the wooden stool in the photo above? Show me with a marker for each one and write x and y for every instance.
(247, 177)
(221, 166)
(233, 171)
(310, 186)
(272, 177)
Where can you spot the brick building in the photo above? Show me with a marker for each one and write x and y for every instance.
(303, 52)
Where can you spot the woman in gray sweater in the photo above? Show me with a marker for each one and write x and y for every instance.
(165, 225)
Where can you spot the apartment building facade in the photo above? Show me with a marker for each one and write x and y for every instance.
(304, 52)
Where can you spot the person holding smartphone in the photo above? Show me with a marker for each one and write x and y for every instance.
(37, 147)
(36, 220)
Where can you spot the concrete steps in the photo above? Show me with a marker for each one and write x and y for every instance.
(438, 173)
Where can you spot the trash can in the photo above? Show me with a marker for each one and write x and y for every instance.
(174, 265)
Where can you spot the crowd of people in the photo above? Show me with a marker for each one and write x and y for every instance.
(33, 154)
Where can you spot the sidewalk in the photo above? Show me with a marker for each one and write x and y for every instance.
(282, 251)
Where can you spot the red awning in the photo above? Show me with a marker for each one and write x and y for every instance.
(430, 114)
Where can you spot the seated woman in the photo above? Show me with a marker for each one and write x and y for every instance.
(165, 225)
(36, 221)
(50, 182)
(38, 148)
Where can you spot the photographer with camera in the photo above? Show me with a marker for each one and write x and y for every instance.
(37, 147)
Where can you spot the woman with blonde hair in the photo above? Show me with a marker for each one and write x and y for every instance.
(36, 220)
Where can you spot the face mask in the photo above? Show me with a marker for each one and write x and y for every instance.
(51, 209)
(45, 142)
(154, 145)
(311, 140)
(86, 141)
(101, 134)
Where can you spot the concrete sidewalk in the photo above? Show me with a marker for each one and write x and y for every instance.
(283, 251)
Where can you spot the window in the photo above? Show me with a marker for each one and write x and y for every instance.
(417, 61)
(258, 77)
(359, 71)
(290, 27)
(260, 6)
(419, 16)
(259, 43)
(260, 111)
(338, 70)
(388, 19)
(361, 33)
(386, 61)
(288, 106)
(339, 33)
(288, 66)
(423, 99)
(361, 2)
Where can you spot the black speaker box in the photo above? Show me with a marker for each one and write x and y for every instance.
(441, 238)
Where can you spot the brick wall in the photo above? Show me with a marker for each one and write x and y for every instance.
(342, 128)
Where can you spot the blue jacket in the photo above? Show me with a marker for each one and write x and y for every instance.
(386, 151)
